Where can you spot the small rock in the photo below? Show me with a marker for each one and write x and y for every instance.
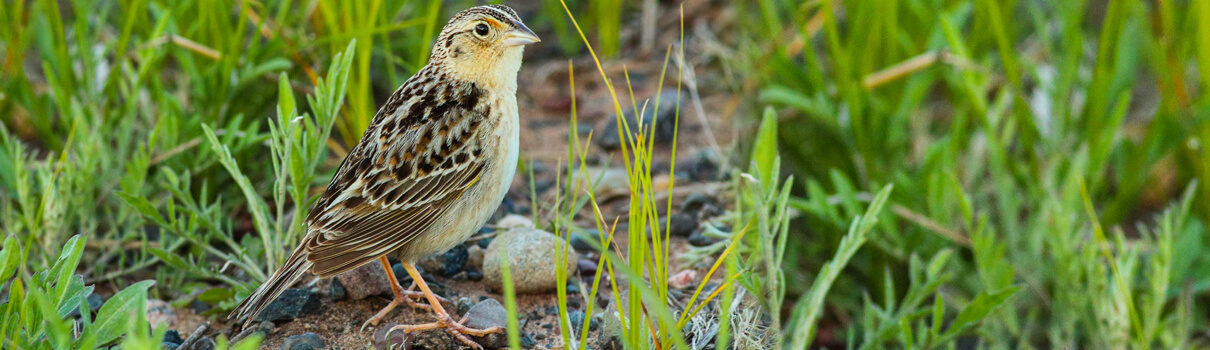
(699, 239)
(474, 275)
(94, 301)
(603, 180)
(262, 328)
(537, 166)
(396, 341)
(94, 304)
(577, 321)
(205, 343)
(437, 287)
(661, 183)
(402, 273)
(586, 267)
(573, 288)
(305, 341)
(665, 127)
(364, 281)
(484, 242)
(682, 279)
(552, 310)
(432, 339)
(610, 337)
(464, 305)
(292, 303)
(446, 264)
(609, 343)
(582, 241)
(160, 312)
(584, 129)
(701, 167)
(405, 279)
(594, 159)
(169, 346)
(507, 206)
(531, 258)
(708, 211)
(512, 221)
(486, 314)
(694, 203)
(678, 225)
(337, 291)
(527, 342)
(199, 307)
(172, 336)
(541, 186)
(474, 257)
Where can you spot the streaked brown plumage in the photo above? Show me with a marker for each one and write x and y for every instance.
(434, 163)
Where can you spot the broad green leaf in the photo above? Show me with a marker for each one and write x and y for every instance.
(65, 266)
(939, 262)
(251, 342)
(808, 308)
(10, 258)
(765, 150)
(12, 308)
(216, 295)
(143, 206)
(113, 318)
(73, 295)
(171, 259)
(983, 305)
(56, 330)
(938, 313)
(285, 98)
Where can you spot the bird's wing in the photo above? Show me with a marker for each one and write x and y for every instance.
(419, 155)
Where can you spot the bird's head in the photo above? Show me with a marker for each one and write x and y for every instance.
(483, 44)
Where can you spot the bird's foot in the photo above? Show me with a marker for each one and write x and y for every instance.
(402, 297)
(454, 328)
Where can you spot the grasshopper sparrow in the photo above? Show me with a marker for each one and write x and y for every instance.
(431, 168)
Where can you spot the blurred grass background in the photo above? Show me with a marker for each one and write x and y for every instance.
(1014, 133)
(1045, 155)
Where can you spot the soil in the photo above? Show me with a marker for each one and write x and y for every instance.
(340, 324)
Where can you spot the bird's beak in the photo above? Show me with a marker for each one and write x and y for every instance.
(520, 35)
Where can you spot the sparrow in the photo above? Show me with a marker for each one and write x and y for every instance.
(431, 168)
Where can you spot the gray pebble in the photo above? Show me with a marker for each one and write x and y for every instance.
(305, 341)
(531, 255)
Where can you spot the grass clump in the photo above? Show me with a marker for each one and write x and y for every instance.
(40, 306)
(1032, 146)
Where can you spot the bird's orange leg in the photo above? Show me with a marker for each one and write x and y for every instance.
(401, 296)
(455, 328)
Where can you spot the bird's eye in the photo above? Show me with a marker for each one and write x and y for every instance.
(481, 29)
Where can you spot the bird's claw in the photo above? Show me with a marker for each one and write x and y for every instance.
(455, 329)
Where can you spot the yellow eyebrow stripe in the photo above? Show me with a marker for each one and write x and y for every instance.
(494, 22)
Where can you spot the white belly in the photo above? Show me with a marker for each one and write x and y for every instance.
(480, 201)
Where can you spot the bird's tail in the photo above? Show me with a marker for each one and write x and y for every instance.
(286, 275)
